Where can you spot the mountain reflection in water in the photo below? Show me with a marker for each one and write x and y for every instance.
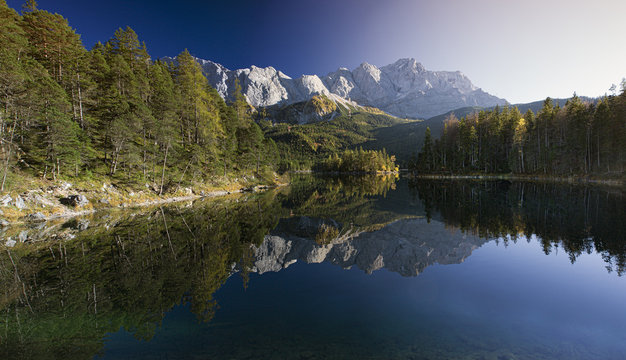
(70, 284)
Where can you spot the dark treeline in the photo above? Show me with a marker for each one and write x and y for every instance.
(113, 110)
(573, 217)
(579, 138)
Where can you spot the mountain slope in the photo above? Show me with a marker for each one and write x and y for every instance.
(301, 144)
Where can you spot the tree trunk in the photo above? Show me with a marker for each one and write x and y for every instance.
(114, 164)
(144, 153)
(598, 150)
(6, 166)
(185, 171)
(80, 103)
(167, 148)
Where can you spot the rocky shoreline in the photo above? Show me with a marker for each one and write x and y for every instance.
(63, 200)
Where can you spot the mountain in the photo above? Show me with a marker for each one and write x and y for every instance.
(406, 89)
(403, 89)
(263, 86)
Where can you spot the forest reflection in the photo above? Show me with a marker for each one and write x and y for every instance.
(580, 219)
(60, 297)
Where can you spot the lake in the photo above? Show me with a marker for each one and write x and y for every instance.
(328, 268)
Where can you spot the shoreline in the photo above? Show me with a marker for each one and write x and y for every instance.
(314, 172)
(13, 216)
(573, 180)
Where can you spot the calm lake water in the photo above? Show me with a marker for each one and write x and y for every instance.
(328, 268)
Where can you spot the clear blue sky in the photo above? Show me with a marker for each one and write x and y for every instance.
(522, 51)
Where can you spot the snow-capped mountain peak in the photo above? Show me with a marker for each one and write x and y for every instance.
(404, 89)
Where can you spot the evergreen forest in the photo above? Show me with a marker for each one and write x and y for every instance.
(581, 138)
(113, 111)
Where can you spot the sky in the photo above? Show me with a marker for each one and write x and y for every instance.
(520, 50)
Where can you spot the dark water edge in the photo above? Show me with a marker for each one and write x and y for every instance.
(572, 180)
(361, 267)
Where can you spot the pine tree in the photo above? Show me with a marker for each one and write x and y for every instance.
(425, 157)
(200, 125)
(163, 130)
(250, 145)
(54, 138)
(14, 74)
(519, 141)
(53, 43)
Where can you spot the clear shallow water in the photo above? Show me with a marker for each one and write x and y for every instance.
(389, 283)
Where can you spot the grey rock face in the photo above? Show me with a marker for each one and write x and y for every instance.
(405, 246)
(6, 200)
(404, 88)
(19, 202)
(262, 86)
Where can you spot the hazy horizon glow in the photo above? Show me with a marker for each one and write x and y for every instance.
(521, 51)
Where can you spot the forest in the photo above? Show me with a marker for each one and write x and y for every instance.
(113, 111)
(581, 138)
(360, 161)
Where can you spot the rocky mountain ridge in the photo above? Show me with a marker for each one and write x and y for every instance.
(403, 89)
